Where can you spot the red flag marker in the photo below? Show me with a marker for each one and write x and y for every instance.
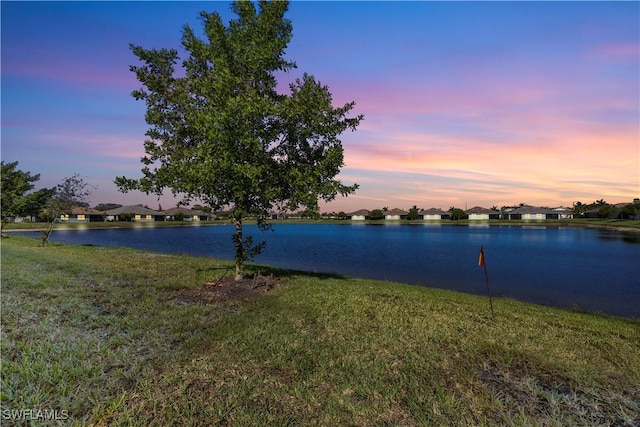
(482, 263)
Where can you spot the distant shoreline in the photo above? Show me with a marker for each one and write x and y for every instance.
(611, 225)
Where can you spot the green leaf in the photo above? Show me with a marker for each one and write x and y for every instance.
(220, 133)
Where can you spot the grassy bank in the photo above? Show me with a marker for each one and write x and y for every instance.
(103, 335)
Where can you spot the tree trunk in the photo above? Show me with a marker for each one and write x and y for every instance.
(47, 233)
(237, 238)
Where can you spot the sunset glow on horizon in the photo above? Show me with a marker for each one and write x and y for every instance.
(464, 103)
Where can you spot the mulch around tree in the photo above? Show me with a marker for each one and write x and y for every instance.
(227, 289)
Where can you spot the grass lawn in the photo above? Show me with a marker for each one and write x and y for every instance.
(102, 336)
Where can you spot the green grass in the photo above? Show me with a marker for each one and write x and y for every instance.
(101, 334)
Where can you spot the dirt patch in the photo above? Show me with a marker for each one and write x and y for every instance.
(554, 400)
(227, 288)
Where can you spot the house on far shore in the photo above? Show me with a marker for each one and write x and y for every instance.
(360, 215)
(79, 214)
(135, 213)
(563, 212)
(277, 215)
(478, 213)
(186, 214)
(434, 214)
(528, 213)
(395, 214)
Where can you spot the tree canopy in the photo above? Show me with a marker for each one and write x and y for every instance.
(222, 133)
(17, 198)
(107, 206)
(413, 213)
(376, 214)
(457, 213)
(72, 192)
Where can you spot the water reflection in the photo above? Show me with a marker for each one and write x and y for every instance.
(628, 237)
(568, 267)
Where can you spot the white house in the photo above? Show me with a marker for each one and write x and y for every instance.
(434, 214)
(79, 214)
(360, 215)
(533, 213)
(563, 212)
(478, 213)
(186, 213)
(395, 214)
(135, 213)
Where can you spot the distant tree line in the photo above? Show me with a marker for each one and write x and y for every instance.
(597, 209)
(602, 209)
(19, 199)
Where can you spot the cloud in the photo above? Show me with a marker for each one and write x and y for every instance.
(106, 73)
(620, 52)
(546, 167)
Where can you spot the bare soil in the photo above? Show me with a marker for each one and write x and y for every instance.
(227, 288)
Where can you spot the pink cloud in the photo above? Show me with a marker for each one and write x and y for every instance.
(82, 143)
(519, 86)
(112, 75)
(543, 169)
(616, 52)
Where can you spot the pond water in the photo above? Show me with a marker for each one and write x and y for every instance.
(588, 269)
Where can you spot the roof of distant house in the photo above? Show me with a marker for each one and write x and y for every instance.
(396, 211)
(533, 210)
(363, 212)
(434, 211)
(185, 211)
(480, 210)
(133, 209)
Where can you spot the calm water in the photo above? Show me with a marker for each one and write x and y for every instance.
(593, 270)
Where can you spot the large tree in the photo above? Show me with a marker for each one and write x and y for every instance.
(17, 199)
(223, 134)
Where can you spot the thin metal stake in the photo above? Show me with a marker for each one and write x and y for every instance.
(482, 262)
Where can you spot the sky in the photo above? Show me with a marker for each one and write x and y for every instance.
(465, 103)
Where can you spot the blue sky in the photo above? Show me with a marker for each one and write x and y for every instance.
(465, 103)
